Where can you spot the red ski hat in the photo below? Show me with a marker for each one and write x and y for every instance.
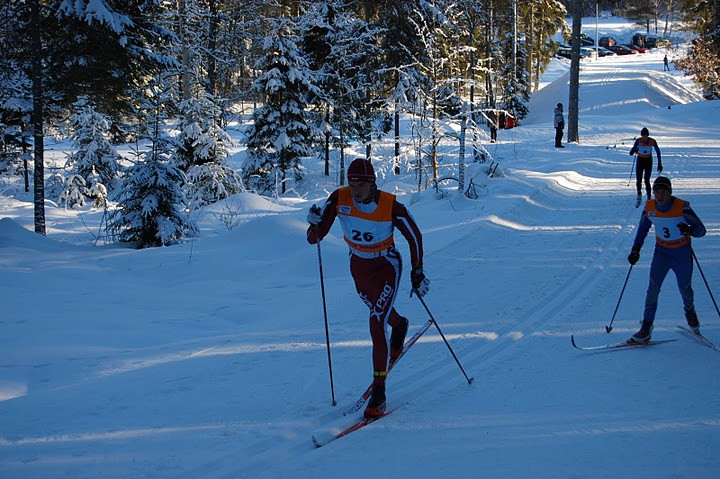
(361, 170)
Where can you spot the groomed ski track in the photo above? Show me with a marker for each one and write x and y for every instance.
(516, 322)
(521, 323)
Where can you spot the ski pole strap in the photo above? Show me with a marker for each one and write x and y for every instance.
(380, 373)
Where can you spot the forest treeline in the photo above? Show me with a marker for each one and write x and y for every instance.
(169, 75)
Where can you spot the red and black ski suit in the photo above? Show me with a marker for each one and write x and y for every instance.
(375, 263)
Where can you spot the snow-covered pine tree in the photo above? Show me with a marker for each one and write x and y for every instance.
(202, 152)
(282, 131)
(516, 92)
(74, 191)
(152, 210)
(94, 153)
(342, 49)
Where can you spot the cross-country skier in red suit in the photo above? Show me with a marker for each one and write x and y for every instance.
(368, 218)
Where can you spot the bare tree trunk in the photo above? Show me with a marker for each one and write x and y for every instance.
(212, 46)
(37, 120)
(327, 143)
(461, 154)
(515, 38)
(186, 77)
(574, 75)
(531, 50)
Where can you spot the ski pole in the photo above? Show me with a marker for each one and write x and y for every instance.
(705, 280)
(469, 380)
(327, 329)
(608, 328)
(632, 169)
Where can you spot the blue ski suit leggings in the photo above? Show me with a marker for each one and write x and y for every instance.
(665, 259)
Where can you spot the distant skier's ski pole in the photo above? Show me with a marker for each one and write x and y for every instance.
(327, 329)
(469, 380)
(632, 169)
(608, 328)
(706, 283)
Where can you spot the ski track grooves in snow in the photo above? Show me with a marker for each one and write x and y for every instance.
(418, 381)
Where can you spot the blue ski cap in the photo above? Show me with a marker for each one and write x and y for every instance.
(662, 182)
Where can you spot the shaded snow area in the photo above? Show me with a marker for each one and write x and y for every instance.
(208, 360)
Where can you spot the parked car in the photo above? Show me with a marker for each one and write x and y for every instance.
(606, 41)
(585, 40)
(604, 52)
(637, 48)
(657, 42)
(639, 39)
(622, 50)
(564, 52)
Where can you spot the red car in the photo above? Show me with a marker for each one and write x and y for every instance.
(637, 48)
(622, 50)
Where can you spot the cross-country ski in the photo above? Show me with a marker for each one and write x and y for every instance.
(621, 345)
(320, 439)
(700, 337)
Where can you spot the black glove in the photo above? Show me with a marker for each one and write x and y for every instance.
(419, 282)
(314, 215)
(685, 229)
(634, 256)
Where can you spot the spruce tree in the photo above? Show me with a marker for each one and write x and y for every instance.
(282, 131)
(94, 154)
(152, 210)
(202, 151)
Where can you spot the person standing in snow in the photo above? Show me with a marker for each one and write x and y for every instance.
(368, 217)
(675, 222)
(559, 123)
(644, 146)
(492, 123)
(666, 66)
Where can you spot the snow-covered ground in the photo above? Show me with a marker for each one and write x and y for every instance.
(208, 359)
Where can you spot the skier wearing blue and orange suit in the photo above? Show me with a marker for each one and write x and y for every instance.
(368, 217)
(644, 146)
(675, 222)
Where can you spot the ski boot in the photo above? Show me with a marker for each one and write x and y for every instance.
(692, 320)
(643, 335)
(376, 405)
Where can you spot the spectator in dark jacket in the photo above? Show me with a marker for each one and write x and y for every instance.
(559, 124)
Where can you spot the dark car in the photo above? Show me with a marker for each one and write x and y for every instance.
(566, 52)
(606, 41)
(657, 42)
(622, 50)
(637, 48)
(604, 52)
(586, 41)
(639, 39)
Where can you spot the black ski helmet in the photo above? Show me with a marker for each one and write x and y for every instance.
(662, 182)
(644, 132)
